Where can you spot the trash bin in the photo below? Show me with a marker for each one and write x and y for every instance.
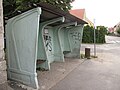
(87, 53)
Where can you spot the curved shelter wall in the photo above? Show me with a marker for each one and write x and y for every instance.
(75, 39)
(22, 42)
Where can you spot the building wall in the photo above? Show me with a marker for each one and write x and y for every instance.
(116, 28)
(3, 75)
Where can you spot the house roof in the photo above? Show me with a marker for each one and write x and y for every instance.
(78, 13)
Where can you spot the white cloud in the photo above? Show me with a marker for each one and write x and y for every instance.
(106, 12)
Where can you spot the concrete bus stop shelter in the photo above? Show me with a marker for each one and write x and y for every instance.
(39, 36)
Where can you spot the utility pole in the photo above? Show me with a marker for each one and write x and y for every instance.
(94, 39)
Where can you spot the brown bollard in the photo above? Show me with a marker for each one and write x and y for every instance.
(87, 53)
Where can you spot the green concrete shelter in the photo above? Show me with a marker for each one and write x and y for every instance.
(38, 37)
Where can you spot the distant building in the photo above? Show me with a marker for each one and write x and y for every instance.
(80, 13)
(116, 28)
(111, 30)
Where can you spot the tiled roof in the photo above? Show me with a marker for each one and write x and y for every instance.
(78, 13)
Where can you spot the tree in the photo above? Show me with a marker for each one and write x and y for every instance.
(14, 6)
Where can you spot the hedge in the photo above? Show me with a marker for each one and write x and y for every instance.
(88, 34)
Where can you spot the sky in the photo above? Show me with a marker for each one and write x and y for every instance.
(105, 12)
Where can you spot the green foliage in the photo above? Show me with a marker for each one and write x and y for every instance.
(88, 34)
(101, 32)
(14, 6)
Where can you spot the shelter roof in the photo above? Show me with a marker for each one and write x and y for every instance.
(50, 12)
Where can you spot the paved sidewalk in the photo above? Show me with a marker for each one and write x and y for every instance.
(59, 70)
(47, 79)
(94, 74)
(102, 73)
